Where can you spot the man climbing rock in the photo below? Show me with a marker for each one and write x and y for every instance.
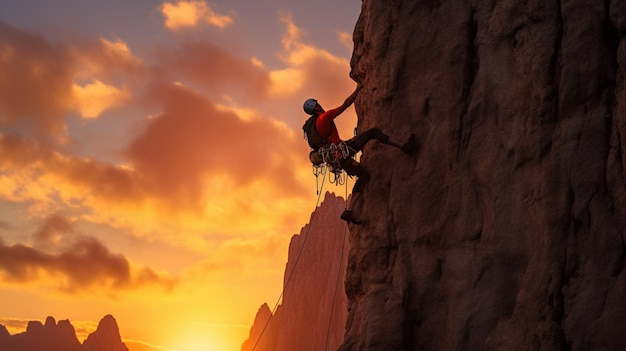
(321, 132)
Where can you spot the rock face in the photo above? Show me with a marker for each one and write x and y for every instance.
(506, 231)
(105, 338)
(312, 285)
(62, 337)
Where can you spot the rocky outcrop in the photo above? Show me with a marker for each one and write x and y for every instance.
(313, 311)
(62, 337)
(49, 336)
(5, 338)
(105, 338)
(506, 231)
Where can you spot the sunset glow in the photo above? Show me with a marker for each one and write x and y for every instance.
(152, 165)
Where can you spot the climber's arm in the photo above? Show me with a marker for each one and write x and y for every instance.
(324, 121)
(349, 101)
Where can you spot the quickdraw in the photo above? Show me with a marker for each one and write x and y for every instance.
(331, 156)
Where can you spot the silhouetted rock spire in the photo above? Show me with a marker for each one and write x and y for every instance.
(105, 338)
(51, 336)
(302, 320)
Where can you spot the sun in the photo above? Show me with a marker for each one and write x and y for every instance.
(201, 344)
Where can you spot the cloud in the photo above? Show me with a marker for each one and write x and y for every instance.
(4, 225)
(103, 59)
(93, 98)
(223, 141)
(82, 264)
(50, 233)
(191, 14)
(33, 172)
(308, 68)
(346, 40)
(36, 81)
(193, 138)
(215, 69)
(42, 82)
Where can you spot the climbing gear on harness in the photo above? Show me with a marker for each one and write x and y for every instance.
(328, 157)
(332, 153)
(331, 158)
(309, 106)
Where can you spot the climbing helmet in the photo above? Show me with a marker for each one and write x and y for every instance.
(309, 106)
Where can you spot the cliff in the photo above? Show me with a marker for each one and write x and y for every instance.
(62, 337)
(105, 338)
(506, 231)
(315, 260)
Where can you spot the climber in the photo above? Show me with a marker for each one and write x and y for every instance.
(323, 133)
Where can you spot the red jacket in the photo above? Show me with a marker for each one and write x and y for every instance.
(325, 125)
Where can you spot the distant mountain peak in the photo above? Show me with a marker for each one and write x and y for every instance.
(51, 336)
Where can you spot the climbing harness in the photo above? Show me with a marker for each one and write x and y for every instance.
(329, 158)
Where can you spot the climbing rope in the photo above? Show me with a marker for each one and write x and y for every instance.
(330, 156)
(306, 237)
(332, 306)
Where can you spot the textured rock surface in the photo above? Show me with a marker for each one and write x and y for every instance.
(506, 231)
(301, 322)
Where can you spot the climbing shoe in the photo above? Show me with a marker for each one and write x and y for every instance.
(410, 146)
(349, 217)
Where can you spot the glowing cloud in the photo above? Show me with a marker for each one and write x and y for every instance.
(306, 66)
(346, 40)
(293, 33)
(191, 14)
(118, 48)
(93, 98)
(82, 263)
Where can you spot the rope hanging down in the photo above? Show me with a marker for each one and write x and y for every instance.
(293, 269)
(332, 307)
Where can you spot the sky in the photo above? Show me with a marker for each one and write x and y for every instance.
(152, 164)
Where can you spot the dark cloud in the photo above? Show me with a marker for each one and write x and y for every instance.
(18, 151)
(103, 180)
(37, 76)
(192, 138)
(215, 68)
(53, 227)
(83, 263)
(100, 179)
(35, 81)
(4, 224)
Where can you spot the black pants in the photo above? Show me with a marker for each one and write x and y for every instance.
(356, 144)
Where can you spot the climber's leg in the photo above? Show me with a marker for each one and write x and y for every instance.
(359, 141)
(353, 168)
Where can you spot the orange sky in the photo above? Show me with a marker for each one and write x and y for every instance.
(160, 184)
